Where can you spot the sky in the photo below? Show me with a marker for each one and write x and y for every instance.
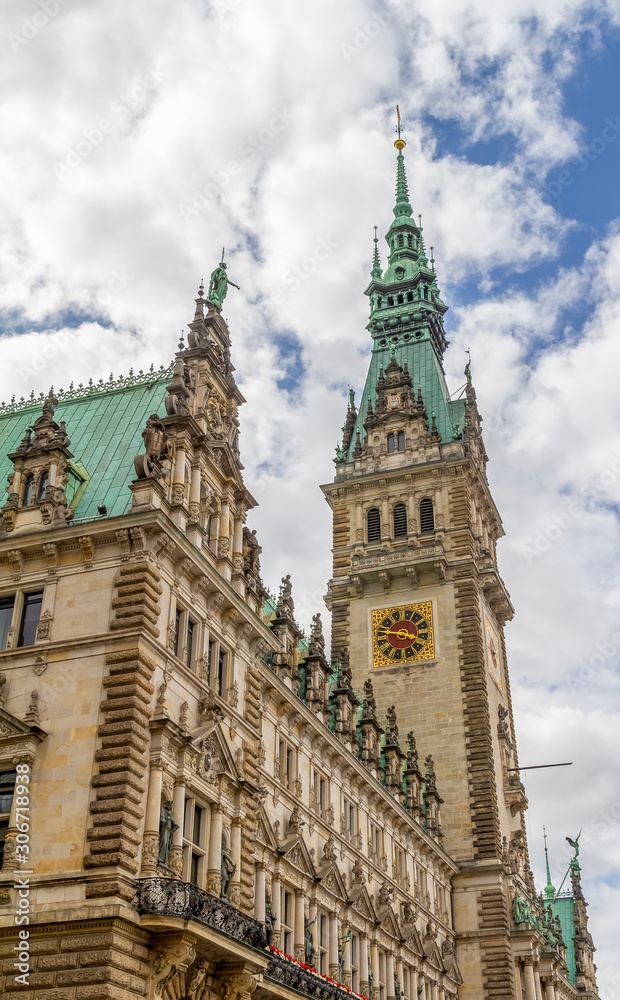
(138, 139)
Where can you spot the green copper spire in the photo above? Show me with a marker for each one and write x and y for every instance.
(402, 206)
(376, 262)
(549, 889)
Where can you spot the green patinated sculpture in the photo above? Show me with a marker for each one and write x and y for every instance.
(574, 864)
(218, 286)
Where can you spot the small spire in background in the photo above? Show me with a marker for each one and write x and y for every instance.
(181, 342)
(376, 260)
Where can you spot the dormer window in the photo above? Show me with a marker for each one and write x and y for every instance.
(28, 491)
(43, 484)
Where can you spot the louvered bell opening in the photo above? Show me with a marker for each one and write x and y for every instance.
(374, 525)
(427, 516)
(400, 520)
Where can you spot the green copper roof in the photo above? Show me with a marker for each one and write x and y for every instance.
(563, 908)
(426, 372)
(105, 429)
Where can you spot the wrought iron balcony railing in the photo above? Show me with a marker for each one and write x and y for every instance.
(303, 979)
(171, 898)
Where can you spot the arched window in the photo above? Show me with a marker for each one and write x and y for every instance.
(400, 520)
(409, 240)
(409, 296)
(401, 440)
(28, 491)
(400, 300)
(401, 240)
(390, 300)
(379, 301)
(43, 484)
(390, 443)
(427, 516)
(374, 525)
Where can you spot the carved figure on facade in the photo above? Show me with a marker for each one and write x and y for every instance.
(167, 826)
(228, 868)
(309, 949)
(154, 463)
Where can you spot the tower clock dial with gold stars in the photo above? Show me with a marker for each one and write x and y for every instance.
(402, 635)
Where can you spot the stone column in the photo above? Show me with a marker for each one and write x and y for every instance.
(386, 527)
(178, 480)
(299, 925)
(434, 992)
(528, 976)
(333, 946)
(259, 892)
(549, 989)
(518, 979)
(214, 857)
(346, 965)
(363, 973)
(539, 995)
(389, 976)
(276, 907)
(238, 538)
(150, 840)
(194, 495)
(401, 976)
(234, 893)
(223, 544)
(52, 473)
(175, 858)
(374, 963)
(414, 985)
(359, 523)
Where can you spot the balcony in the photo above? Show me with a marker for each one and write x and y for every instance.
(170, 898)
(292, 974)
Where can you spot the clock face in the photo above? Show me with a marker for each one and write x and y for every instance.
(393, 401)
(403, 635)
(494, 657)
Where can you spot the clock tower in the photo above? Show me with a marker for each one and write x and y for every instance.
(416, 596)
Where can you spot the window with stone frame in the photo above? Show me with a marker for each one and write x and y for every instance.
(349, 817)
(400, 865)
(185, 631)
(28, 494)
(320, 790)
(375, 841)
(427, 516)
(285, 764)
(405, 986)
(195, 831)
(7, 791)
(288, 922)
(355, 962)
(20, 614)
(382, 975)
(373, 519)
(217, 667)
(322, 943)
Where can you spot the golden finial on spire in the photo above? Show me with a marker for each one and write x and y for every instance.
(400, 143)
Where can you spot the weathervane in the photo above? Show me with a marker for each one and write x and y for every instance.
(400, 142)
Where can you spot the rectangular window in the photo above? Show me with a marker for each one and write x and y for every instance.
(189, 642)
(177, 629)
(288, 922)
(381, 983)
(210, 656)
(7, 789)
(30, 618)
(7, 605)
(349, 817)
(286, 756)
(355, 961)
(323, 940)
(376, 841)
(221, 673)
(194, 843)
(321, 793)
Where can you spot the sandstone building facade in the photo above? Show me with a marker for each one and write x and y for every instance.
(195, 799)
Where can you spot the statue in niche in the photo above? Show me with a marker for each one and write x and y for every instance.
(167, 826)
(309, 949)
(270, 918)
(228, 870)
